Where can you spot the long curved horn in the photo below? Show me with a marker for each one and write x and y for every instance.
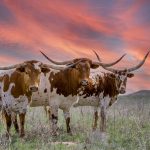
(109, 64)
(97, 56)
(54, 67)
(140, 64)
(130, 69)
(110, 69)
(61, 68)
(10, 67)
(70, 63)
(56, 62)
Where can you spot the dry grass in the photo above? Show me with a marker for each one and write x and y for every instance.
(128, 129)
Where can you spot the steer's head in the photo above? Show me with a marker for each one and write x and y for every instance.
(121, 76)
(82, 67)
(31, 71)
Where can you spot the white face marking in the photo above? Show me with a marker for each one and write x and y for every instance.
(41, 98)
(37, 65)
(122, 77)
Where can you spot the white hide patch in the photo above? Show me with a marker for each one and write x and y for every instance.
(61, 101)
(41, 97)
(122, 77)
(66, 115)
(0, 103)
(7, 72)
(89, 101)
(37, 65)
(54, 71)
(11, 104)
(104, 102)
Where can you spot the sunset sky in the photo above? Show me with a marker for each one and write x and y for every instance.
(66, 29)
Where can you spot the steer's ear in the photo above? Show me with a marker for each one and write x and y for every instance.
(45, 70)
(130, 75)
(21, 69)
(94, 66)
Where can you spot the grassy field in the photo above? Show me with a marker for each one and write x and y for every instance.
(128, 128)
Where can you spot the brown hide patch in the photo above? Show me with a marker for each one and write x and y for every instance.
(93, 89)
(32, 62)
(65, 82)
(109, 85)
(106, 84)
(18, 88)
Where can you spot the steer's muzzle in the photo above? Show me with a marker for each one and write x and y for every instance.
(122, 90)
(84, 82)
(33, 88)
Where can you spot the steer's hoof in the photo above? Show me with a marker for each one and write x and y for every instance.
(22, 135)
(17, 131)
(8, 135)
(98, 137)
(75, 105)
(54, 133)
(93, 129)
(70, 133)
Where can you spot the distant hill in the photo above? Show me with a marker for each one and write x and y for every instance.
(142, 96)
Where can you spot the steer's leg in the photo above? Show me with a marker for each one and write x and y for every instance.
(8, 122)
(95, 118)
(22, 121)
(67, 118)
(103, 107)
(53, 113)
(15, 122)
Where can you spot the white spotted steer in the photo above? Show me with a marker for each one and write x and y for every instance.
(104, 90)
(16, 86)
(59, 89)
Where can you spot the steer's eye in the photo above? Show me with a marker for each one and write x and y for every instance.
(21, 69)
(77, 67)
(120, 73)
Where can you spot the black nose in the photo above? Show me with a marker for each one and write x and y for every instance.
(84, 82)
(33, 89)
(122, 91)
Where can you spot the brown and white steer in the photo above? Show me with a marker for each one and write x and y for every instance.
(59, 89)
(16, 87)
(104, 90)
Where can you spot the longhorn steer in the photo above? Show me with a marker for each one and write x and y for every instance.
(16, 87)
(104, 90)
